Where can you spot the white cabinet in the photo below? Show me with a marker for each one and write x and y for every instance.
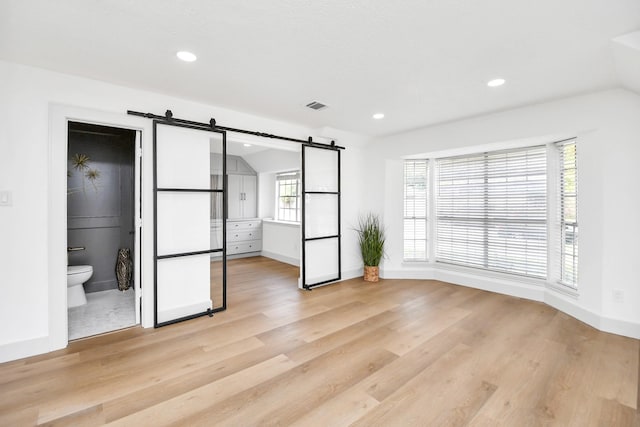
(244, 231)
(244, 236)
(242, 185)
(242, 196)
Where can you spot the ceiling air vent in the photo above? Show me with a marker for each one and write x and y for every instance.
(315, 105)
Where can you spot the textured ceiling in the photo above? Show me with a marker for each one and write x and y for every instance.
(419, 61)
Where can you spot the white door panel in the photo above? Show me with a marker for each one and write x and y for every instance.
(186, 207)
(321, 216)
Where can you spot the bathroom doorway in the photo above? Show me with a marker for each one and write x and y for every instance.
(102, 229)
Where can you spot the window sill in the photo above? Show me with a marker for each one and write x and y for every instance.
(438, 266)
(417, 263)
(474, 271)
(287, 223)
(491, 274)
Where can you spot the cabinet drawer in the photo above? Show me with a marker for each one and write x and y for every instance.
(243, 225)
(242, 235)
(242, 247)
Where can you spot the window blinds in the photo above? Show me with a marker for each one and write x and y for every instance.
(568, 213)
(416, 194)
(492, 211)
(283, 176)
(288, 196)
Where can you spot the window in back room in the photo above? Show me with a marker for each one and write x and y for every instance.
(288, 196)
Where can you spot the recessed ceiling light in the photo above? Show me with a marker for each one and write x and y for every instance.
(378, 116)
(247, 145)
(496, 82)
(186, 56)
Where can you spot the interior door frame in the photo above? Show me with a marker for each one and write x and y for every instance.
(305, 285)
(137, 225)
(137, 178)
(156, 257)
(56, 302)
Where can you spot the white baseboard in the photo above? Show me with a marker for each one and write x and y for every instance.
(352, 274)
(184, 310)
(282, 258)
(501, 286)
(425, 273)
(602, 323)
(20, 349)
(515, 288)
(492, 284)
(564, 304)
(620, 327)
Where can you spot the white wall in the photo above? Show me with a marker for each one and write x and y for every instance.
(608, 128)
(27, 94)
(281, 241)
(266, 195)
(275, 160)
(267, 163)
(356, 194)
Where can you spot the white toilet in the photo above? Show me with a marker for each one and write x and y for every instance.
(77, 275)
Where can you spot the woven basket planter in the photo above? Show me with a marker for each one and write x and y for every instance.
(371, 274)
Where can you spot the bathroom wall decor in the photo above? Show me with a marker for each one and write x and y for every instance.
(82, 164)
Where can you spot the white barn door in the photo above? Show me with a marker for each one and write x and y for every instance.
(321, 234)
(189, 201)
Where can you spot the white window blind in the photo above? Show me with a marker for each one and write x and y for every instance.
(568, 213)
(288, 196)
(492, 211)
(416, 195)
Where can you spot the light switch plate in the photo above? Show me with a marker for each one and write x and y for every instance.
(5, 198)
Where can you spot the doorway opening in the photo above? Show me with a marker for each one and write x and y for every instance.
(264, 214)
(103, 229)
(184, 256)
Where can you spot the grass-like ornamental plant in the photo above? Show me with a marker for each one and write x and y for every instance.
(371, 238)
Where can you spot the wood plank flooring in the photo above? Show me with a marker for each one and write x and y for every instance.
(399, 352)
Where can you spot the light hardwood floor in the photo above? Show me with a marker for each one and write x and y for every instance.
(399, 352)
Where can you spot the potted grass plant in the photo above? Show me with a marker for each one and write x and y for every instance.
(371, 239)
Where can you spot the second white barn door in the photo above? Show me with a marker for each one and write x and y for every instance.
(321, 233)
